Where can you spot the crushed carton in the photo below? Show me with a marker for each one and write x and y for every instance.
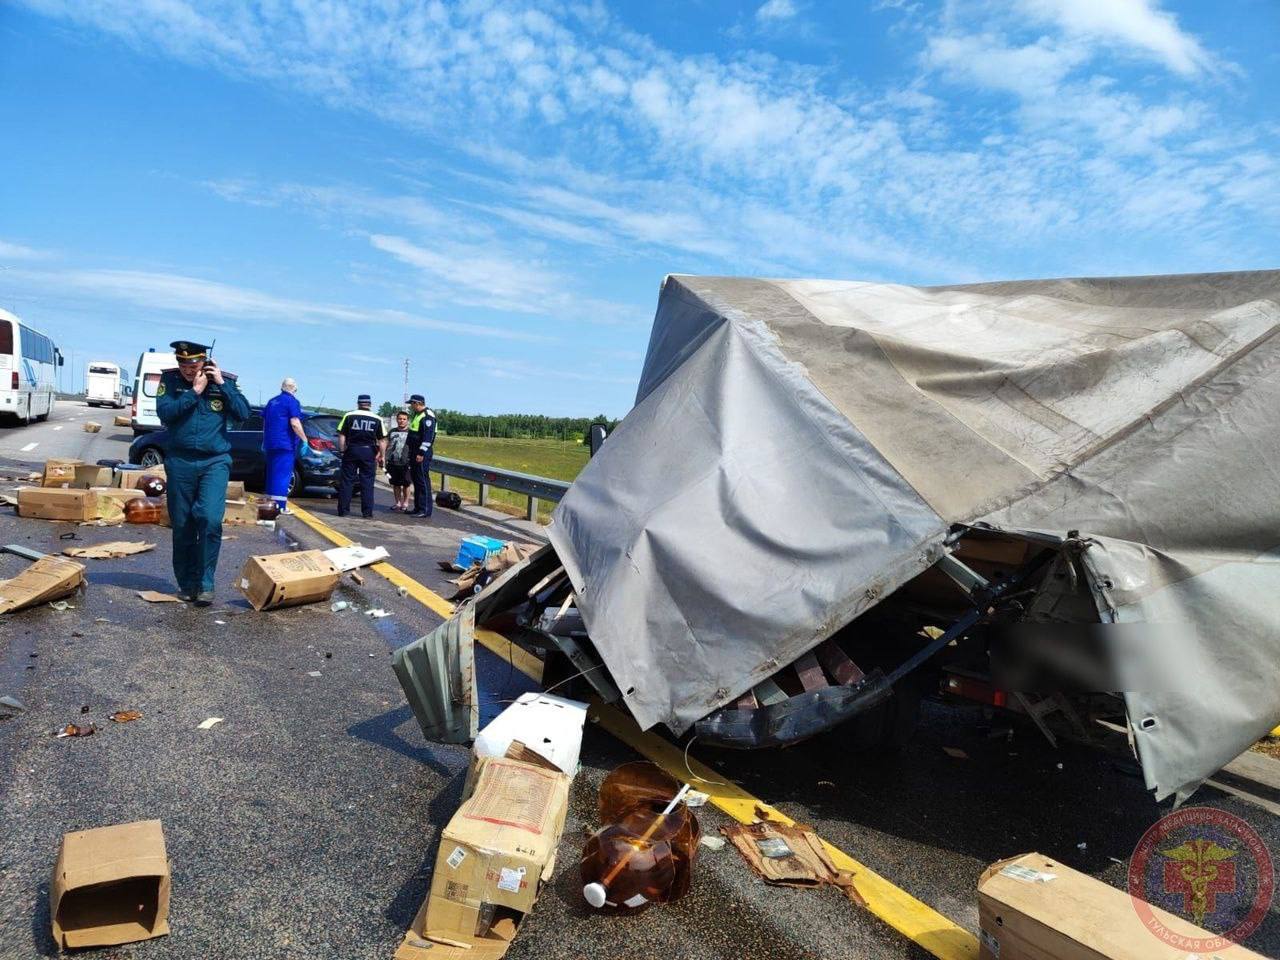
(355, 556)
(287, 579)
(495, 855)
(1031, 907)
(109, 551)
(235, 489)
(110, 886)
(49, 578)
(111, 501)
(122, 421)
(129, 479)
(57, 503)
(59, 472)
(91, 427)
(241, 511)
(91, 475)
(538, 728)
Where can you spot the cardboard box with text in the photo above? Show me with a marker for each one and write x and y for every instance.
(57, 503)
(287, 579)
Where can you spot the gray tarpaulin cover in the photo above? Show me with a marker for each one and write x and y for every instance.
(798, 450)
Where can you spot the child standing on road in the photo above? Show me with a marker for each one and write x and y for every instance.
(398, 461)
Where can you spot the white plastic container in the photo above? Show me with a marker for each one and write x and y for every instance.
(550, 726)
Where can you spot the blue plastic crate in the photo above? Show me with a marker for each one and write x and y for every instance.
(476, 550)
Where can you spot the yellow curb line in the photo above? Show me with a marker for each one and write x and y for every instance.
(915, 920)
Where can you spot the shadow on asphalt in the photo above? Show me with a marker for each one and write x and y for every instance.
(404, 905)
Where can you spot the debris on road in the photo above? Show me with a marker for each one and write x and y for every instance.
(126, 716)
(288, 579)
(712, 843)
(129, 478)
(496, 853)
(153, 486)
(75, 730)
(437, 674)
(788, 855)
(122, 421)
(90, 475)
(359, 579)
(538, 728)
(155, 596)
(955, 753)
(110, 551)
(110, 886)
(91, 426)
(111, 501)
(209, 724)
(146, 510)
(313, 673)
(13, 703)
(377, 613)
(339, 605)
(48, 578)
(61, 606)
(481, 573)
(59, 472)
(1031, 906)
(346, 559)
(57, 503)
(644, 853)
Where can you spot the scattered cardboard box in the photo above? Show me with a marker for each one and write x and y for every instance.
(110, 551)
(59, 472)
(235, 490)
(57, 503)
(154, 596)
(110, 886)
(241, 511)
(122, 421)
(129, 479)
(111, 501)
(539, 728)
(49, 578)
(789, 855)
(287, 579)
(91, 475)
(495, 855)
(91, 427)
(355, 556)
(1032, 908)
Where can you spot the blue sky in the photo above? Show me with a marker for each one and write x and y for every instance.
(495, 190)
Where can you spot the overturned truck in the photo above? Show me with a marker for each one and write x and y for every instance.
(833, 497)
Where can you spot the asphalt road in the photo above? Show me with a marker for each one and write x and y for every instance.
(305, 824)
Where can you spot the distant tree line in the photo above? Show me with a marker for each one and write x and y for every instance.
(509, 426)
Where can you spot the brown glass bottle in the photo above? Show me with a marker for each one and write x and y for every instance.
(143, 510)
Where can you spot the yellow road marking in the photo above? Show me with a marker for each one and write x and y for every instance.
(915, 920)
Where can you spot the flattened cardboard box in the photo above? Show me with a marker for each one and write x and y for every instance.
(110, 886)
(1034, 908)
(287, 579)
(495, 855)
(57, 503)
(129, 479)
(49, 578)
(58, 472)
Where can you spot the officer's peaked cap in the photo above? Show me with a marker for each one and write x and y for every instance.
(189, 350)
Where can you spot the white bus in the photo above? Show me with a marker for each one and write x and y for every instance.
(104, 384)
(29, 363)
(145, 383)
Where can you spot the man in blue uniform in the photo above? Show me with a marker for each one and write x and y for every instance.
(422, 438)
(281, 433)
(197, 403)
(363, 444)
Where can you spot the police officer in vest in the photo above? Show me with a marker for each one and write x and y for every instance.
(363, 444)
(422, 438)
(198, 404)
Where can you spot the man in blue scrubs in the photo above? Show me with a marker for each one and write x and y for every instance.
(281, 432)
(197, 403)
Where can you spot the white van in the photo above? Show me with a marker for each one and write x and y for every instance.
(29, 364)
(104, 384)
(145, 383)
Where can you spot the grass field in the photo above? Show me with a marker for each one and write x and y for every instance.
(544, 458)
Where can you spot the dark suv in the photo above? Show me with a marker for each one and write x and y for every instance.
(315, 465)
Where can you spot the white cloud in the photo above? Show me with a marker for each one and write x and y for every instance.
(774, 10)
(508, 369)
(1137, 24)
(16, 251)
(206, 298)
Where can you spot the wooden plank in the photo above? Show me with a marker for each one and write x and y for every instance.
(811, 676)
(837, 663)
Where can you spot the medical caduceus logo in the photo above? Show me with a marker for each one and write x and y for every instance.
(1209, 868)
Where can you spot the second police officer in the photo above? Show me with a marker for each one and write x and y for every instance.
(362, 442)
(422, 438)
